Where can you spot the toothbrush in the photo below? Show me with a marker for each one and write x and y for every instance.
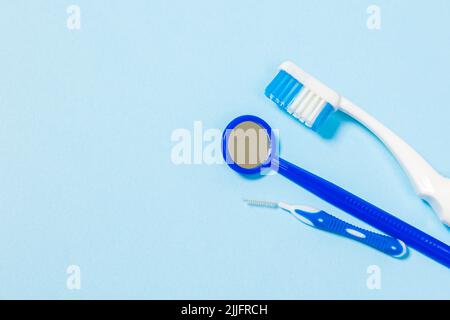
(323, 221)
(311, 102)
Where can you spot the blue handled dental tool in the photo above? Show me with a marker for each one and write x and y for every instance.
(249, 148)
(323, 221)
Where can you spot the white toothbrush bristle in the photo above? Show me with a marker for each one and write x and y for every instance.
(307, 106)
(315, 112)
(301, 95)
(261, 203)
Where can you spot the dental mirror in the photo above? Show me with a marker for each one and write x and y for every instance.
(248, 145)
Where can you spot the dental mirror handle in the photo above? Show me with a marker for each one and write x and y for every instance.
(365, 211)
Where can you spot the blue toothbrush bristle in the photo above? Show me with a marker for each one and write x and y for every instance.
(323, 116)
(283, 89)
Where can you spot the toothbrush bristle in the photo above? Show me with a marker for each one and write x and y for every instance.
(261, 203)
(283, 89)
(301, 102)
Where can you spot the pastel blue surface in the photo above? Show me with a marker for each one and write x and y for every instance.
(86, 119)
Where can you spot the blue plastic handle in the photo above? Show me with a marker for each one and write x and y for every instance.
(365, 211)
(326, 222)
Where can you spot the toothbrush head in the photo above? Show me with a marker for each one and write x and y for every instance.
(301, 95)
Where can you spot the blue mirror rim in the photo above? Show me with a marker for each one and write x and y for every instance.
(226, 133)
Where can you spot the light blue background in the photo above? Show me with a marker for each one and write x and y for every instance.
(86, 176)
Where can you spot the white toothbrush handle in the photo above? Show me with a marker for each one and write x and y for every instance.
(428, 184)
